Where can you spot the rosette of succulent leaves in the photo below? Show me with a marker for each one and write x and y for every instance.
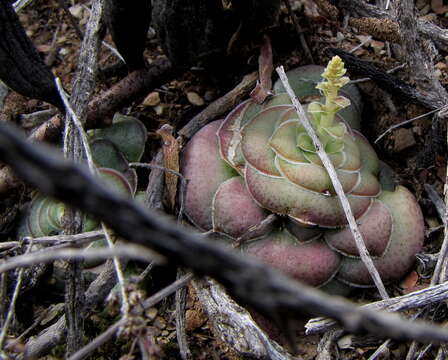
(259, 163)
(113, 149)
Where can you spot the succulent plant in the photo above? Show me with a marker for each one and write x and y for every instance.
(112, 148)
(260, 161)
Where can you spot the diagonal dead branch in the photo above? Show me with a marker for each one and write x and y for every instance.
(268, 291)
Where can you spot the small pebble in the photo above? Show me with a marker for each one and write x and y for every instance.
(76, 11)
(195, 99)
(152, 99)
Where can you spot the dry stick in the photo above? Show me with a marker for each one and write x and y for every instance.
(393, 127)
(369, 38)
(112, 330)
(429, 296)
(381, 349)
(74, 141)
(20, 4)
(12, 305)
(363, 252)
(248, 280)
(180, 299)
(219, 106)
(128, 252)
(85, 144)
(234, 324)
(85, 237)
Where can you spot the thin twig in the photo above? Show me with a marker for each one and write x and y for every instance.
(369, 38)
(112, 49)
(180, 298)
(393, 127)
(130, 252)
(77, 123)
(89, 236)
(120, 276)
(20, 4)
(12, 305)
(384, 346)
(363, 252)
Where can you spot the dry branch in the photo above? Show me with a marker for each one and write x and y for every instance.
(257, 285)
(429, 296)
(234, 325)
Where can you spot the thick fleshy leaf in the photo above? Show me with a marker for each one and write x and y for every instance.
(369, 158)
(337, 130)
(334, 146)
(229, 136)
(255, 140)
(127, 133)
(375, 226)
(314, 177)
(406, 241)
(283, 197)
(313, 263)
(115, 181)
(279, 99)
(367, 186)
(203, 166)
(48, 224)
(348, 160)
(54, 215)
(234, 211)
(283, 142)
(303, 233)
(106, 155)
(305, 143)
(303, 80)
(131, 176)
(33, 218)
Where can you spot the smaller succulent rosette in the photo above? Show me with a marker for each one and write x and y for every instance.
(260, 162)
(112, 149)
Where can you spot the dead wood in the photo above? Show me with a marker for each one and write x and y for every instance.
(249, 281)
